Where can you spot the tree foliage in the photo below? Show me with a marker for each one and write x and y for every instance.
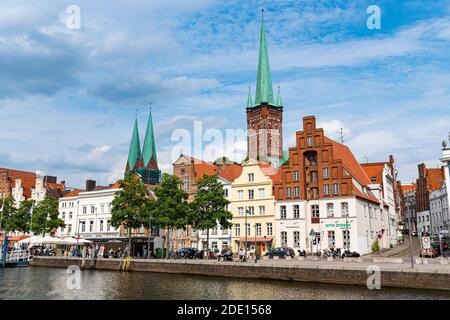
(130, 205)
(45, 217)
(170, 210)
(9, 210)
(21, 220)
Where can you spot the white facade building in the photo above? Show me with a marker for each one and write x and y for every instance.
(87, 214)
(446, 160)
(439, 211)
(346, 222)
(218, 238)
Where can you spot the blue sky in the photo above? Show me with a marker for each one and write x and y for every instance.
(68, 97)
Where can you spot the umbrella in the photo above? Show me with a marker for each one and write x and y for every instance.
(51, 240)
(68, 241)
(83, 241)
(33, 239)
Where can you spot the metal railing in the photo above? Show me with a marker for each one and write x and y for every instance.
(18, 255)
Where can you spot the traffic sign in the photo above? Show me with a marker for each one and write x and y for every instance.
(426, 243)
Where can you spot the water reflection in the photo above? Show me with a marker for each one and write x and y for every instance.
(43, 283)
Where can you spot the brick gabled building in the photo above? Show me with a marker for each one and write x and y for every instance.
(189, 170)
(23, 185)
(429, 180)
(323, 190)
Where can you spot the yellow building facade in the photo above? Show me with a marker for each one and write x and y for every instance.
(253, 208)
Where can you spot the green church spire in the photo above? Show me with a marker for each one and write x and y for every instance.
(149, 148)
(279, 101)
(264, 91)
(249, 99)
(134, 155)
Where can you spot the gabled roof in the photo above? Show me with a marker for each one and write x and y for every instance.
(149, 148)
(408, 187)
(351, 165)
(374, 170)
(231, 172)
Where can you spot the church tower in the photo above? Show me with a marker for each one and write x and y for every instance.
(264, 116)
(144, 163)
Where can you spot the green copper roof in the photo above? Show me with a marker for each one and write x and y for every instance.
(264, 91)
(279, 101)
(149, 148)
(134, 155)
(249, 100)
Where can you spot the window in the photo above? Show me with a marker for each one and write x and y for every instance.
(91, 226)
(214, 231)
(344, 209)
(251, 177)
(269, 229)
(108, 225)
(262, 210)
(251, 194)
(315, 211)
(335, 188)
(241, 211)
(346, 237)
(261, 193)
(296, 209)
(326, 189)
(102, 208)
(247, 228)
(224, 231)
(331, 239)
(109, 207)
(63, 216)
(288, 192)
(69, 228)
(214, 245)
(296, 239)
(240, 194)
(309, 141)
(330, 210)
(296, 192)
(225, 193)
(325, 173)
(101, 225)
(70, 214)
(283, 238)
(251, 211)
(84, 209)
(258, 229)
(295, 175)
(92, 209)
(237, 230)
(83, 226)
(186, 183)
(282, 212)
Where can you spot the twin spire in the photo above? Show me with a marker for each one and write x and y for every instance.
(264, 90)
(140, 161)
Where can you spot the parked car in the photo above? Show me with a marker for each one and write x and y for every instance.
(414, 233)
(281, 252)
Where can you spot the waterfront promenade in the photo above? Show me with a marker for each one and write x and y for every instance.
(432, 275)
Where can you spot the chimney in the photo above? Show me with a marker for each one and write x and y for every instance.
(50, 179)
(90, 185)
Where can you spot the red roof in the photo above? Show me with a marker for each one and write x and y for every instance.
(231, 172)
(374, 171)
(408, 187)
(435, 178)
(73, 193)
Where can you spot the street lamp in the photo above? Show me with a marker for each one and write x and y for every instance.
(245, 226)
(149, 235)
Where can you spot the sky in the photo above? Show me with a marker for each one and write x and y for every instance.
(68, 97)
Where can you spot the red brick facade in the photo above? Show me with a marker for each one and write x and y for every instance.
(265, 132)
(317, 161)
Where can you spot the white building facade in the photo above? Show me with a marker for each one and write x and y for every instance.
(446, 161)
(219, 238)
(439, 214)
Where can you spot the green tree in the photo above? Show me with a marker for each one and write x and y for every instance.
(9, 210)
(209, 207)
(45, 217)
(170, 210)
(21, 220)
(375, 246)
(130, 205)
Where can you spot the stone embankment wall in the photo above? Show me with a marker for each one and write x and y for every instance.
(352, 274)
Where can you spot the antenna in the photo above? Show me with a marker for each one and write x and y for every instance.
(367, 159)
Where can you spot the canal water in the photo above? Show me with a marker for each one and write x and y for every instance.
(51, 283)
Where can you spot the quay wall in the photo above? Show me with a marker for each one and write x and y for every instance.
(433, 279)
